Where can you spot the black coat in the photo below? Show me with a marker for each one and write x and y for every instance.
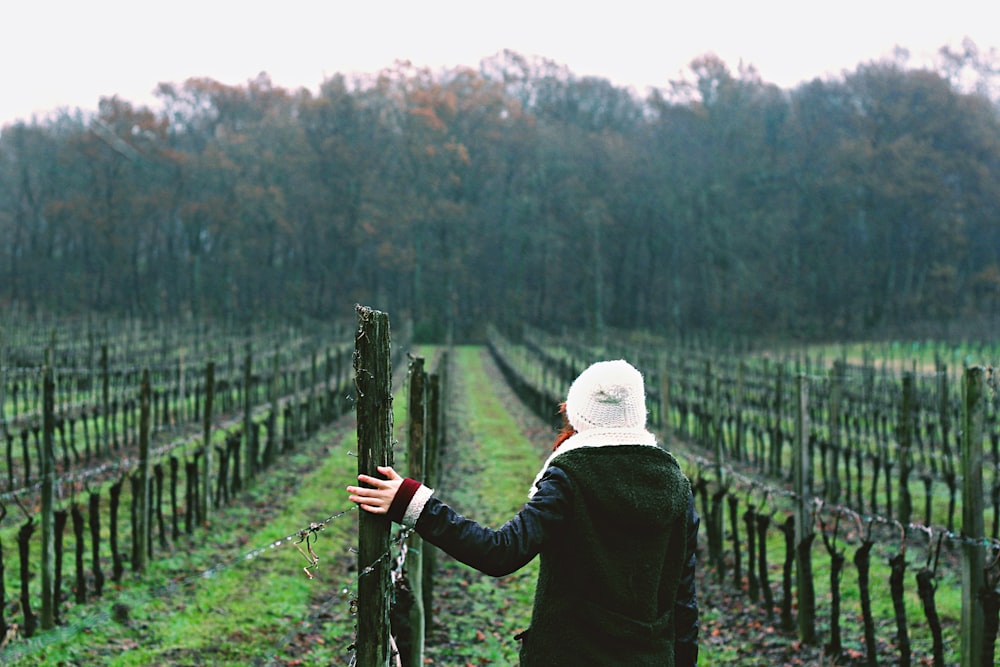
(616, 528)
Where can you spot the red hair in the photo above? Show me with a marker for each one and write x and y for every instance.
(567, 430)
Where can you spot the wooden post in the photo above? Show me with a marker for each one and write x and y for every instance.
(944, 411)
(739, 443)
(777, 435)
(142, 514)
(249, 455)
(664, 400)
(708, 403)
(373, 381)
(340, 382)
(311, 414)
(720, 472)
(3, 387)
(905, 434)
(973, 556)
(105, 401)
(272, 419)
(229, 381)
(416, 456)
(48, 493)
(24, 552)
(329, 413)
(294, 408)
(832, 481)
(182, 410)
(804, 535)
(431, 478)
(206, 472)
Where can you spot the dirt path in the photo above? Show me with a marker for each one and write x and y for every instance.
(493, 452)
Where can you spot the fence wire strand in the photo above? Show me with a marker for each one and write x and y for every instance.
(751, 485)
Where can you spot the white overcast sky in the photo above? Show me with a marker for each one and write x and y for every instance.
(70, 53)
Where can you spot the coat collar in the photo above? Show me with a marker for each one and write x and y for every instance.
(595, 438)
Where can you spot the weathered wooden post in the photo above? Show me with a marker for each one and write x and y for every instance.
(973, 557)
(117, 562)
(182, 409)
(3, 588)
(328, 405)
(905, 435)
(416, 456)
(832, 482)
(804, 535)
(708, 406)
(714, 518)
(105, 401)
(206, 471)
(311, 413)
(81, 589)
(24, 553)
(340, 382)
(717, 443)
(271, 448)
(229, 381)
(249, 455)
(739, 443)
(432, 448)
(3, 399)
(294, 409)
(49, 593)
(944, 410)
(373, 381)
(777, 434)
(664, 399)
(143, 515)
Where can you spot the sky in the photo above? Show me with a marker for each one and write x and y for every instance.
(69, 53)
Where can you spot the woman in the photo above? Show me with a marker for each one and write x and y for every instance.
(612, 517)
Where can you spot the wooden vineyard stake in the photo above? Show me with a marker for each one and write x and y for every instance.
(973, 557)
(373, 380)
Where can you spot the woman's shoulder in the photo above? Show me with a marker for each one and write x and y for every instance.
(653, 453)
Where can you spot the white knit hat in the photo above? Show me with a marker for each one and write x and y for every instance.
(607, 395)
(606, 405)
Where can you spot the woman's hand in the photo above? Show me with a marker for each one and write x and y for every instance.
(378, 498)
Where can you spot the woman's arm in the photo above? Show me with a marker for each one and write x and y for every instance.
(495, 552)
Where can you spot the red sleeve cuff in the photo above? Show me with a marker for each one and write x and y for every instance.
(402, 499)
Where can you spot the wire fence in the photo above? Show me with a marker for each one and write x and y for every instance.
(747, 435)
(310, 403)
(302, 540)
(296, 402)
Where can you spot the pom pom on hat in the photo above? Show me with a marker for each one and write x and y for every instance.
(607, 395)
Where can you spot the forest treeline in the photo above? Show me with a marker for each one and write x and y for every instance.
(520, 192)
